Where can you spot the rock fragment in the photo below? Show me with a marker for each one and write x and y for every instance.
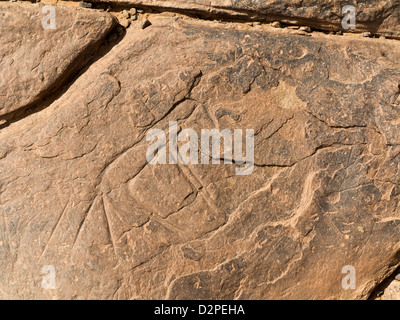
(125, 23)
(85, 4)
(305, 29)
(145, 23)
(125, 14)
(276, 24)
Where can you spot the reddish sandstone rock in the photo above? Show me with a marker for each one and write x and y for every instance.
(34, 62)
(77, 193)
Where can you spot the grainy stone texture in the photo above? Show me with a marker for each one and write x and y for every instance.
(389, 289)
(76, 191)
(392, 292)
(34, 61)
(373, 15)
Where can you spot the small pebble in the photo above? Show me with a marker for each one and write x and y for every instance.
(339, 33)
(276, 24)
(145, 23)
(293, 27)
(366, 34)
(361, 229)
(125, 23)
(125, 14)
(85, 5)
(306, 29)
(133, 17)
(132, 11)
(380, 293)
(256, 23)
(397, 277)
(140, 10)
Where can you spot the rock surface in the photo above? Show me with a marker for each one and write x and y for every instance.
(389, 289)
(36, 61)
(77, 193)
(380, 17)
(392, 292)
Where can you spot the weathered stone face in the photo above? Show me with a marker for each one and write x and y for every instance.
(372, 15)
(36, 61)
(78, 194)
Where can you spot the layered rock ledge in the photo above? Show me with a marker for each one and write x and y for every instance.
(376, 16)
